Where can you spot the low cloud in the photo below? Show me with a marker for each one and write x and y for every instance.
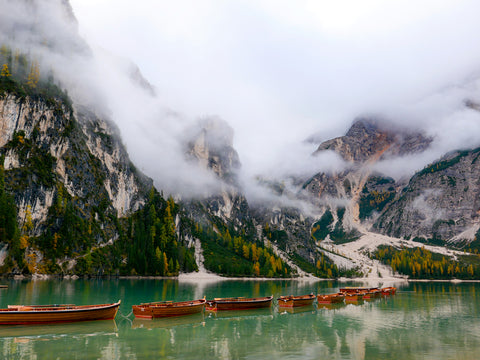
(277, 73)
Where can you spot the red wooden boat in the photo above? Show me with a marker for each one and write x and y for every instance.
(168, 309)
(239, 303)
(330, 298)
(388, 290)
(295, 301)
(44, 314)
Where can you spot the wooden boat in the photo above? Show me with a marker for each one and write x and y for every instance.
(388, 290)
(295, 301)
(168, 309)
(3, 286)
(44, 314)
(239, 303)
(330, 298)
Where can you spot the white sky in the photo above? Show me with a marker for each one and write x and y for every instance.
(279, 71)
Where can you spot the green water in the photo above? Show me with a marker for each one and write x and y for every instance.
(423, 321)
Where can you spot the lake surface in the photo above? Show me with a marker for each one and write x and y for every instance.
(422, 321)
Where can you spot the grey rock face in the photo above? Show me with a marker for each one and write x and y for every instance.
(210, 143)
(86, 158)
(439, 202)
(366, 142)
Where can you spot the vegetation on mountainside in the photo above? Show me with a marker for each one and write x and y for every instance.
(74, 238)
(231, 253)
(419, 263)
(9, 232)
(371, 201)
(147, 245)
(150, 242)
(322, 228)
(21, 76)
(445, 164)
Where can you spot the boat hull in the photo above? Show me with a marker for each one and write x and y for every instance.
(168, 309)
(239, 303)
(25, 315)
(330, 298)
(295, 301)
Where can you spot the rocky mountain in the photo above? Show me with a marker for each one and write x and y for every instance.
(441, 203)
(84, 156)
(72, 202)
(210, 145)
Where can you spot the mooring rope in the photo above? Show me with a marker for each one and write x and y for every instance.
(125, 316)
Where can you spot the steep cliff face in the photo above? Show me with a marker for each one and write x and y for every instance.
(441, 202)
(47, 149)
(210, 144)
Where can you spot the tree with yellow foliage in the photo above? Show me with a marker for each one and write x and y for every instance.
(5, 72)
(34, 75)
(256, 268)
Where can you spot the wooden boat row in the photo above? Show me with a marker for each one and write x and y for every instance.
(46, 314)
(355, 294)
(168, 309)
(42, 314)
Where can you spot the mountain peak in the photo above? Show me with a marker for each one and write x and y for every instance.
(370, 138)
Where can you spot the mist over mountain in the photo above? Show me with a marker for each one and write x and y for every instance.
(278, 190)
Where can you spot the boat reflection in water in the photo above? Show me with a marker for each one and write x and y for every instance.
(79, 329)
(296, 310)
(168, 322)
(239, 314)
(334, 306)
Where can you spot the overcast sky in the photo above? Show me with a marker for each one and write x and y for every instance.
(279, 71)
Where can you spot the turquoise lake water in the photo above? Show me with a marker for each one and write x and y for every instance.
(422, 321)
